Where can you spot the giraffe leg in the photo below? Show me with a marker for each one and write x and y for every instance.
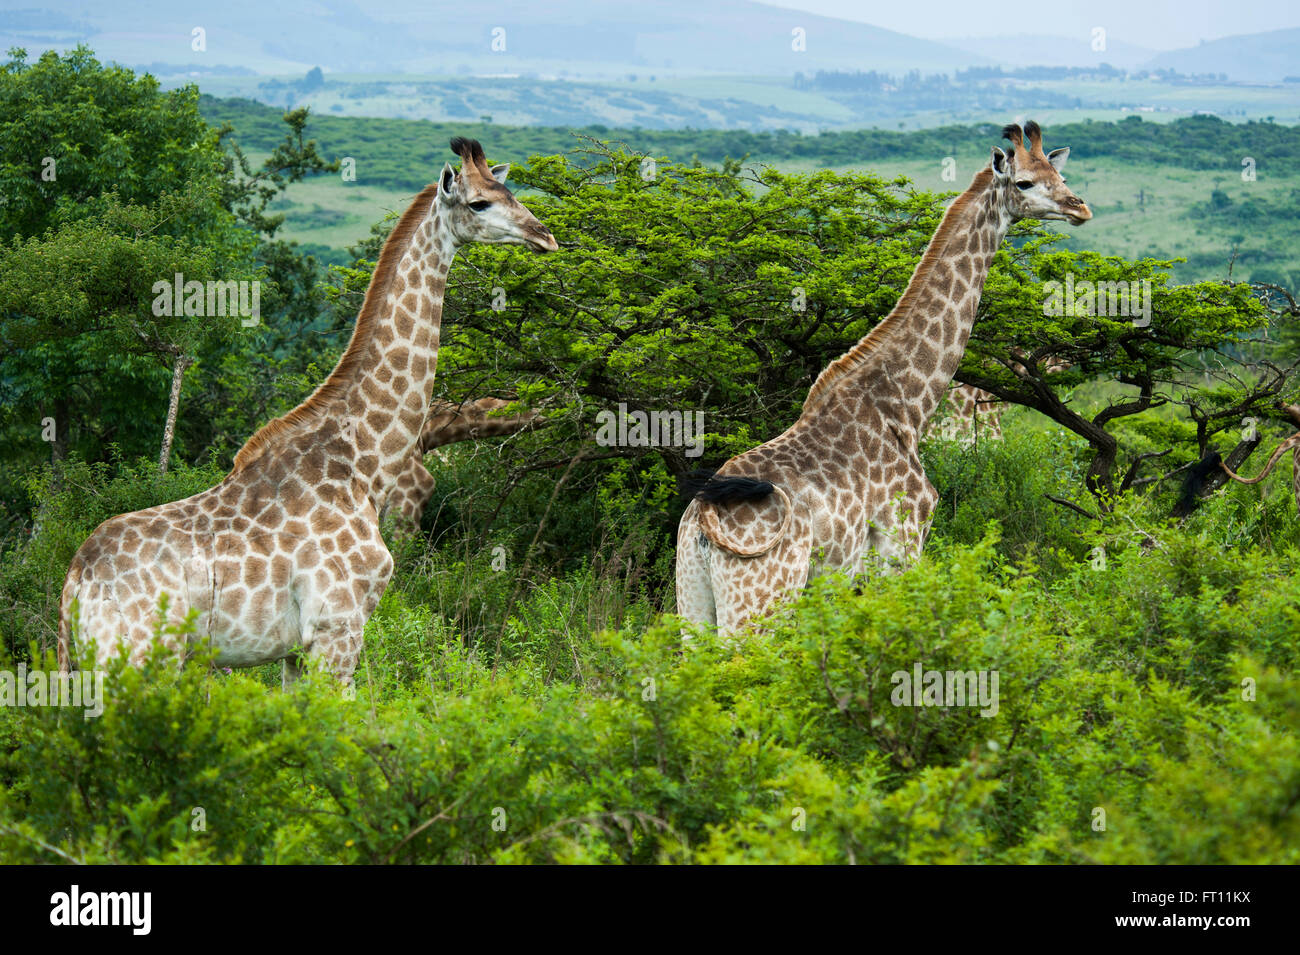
(745, 588)
(291, 671)
(694, 586)
(1295, 477)
(340, 591)
(898, 530)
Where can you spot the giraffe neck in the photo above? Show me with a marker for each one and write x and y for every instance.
(449, 422)
(385, 403)
(359, 427)
(916, 349)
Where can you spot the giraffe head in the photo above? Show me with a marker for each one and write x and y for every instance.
(479, 208)
(1031, 181)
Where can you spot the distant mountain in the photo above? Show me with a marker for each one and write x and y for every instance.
(558, 37)
(1014, 51)
(1255, 57)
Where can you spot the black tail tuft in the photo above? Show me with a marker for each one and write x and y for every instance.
(460, 146)
(721, 489)
(1194, 483)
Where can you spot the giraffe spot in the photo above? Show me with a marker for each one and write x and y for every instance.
(280, 568)
(328, 523)
(297, 504)
(412, 420)
(394, 443)
(232, 601)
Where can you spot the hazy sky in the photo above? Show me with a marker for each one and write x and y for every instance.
(1155, 24)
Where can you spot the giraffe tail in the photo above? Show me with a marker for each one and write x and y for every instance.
(737, 514)
(726, 489)
(1281, 449)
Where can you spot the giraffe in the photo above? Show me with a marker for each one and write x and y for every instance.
(975, 413)
(448, 423)
(285, 553)
(1291, 443)
(846, 477)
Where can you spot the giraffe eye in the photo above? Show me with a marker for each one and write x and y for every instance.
(1024, 184)
(479, 205)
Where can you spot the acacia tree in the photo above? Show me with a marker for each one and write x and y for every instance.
(1184, 345)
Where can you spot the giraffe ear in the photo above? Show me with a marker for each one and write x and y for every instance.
(1057, 157)
(1000, 163)
(447, 182)
(499, 173)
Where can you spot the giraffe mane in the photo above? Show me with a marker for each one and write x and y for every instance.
(333, 388)
(860, 353)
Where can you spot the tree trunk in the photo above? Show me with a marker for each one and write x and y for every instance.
(182, 362)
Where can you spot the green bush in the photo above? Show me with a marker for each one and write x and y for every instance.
(1160, 731)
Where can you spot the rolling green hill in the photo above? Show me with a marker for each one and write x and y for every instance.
(1152, 185)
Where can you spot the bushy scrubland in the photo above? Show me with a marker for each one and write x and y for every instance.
(1148, 702)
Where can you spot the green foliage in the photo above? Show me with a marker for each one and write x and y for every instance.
(1008, 481)
(140, 189)
(106, 129)
(786, 746)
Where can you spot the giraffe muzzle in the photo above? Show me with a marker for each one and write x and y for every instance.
(1076, 210)
(541, 240)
